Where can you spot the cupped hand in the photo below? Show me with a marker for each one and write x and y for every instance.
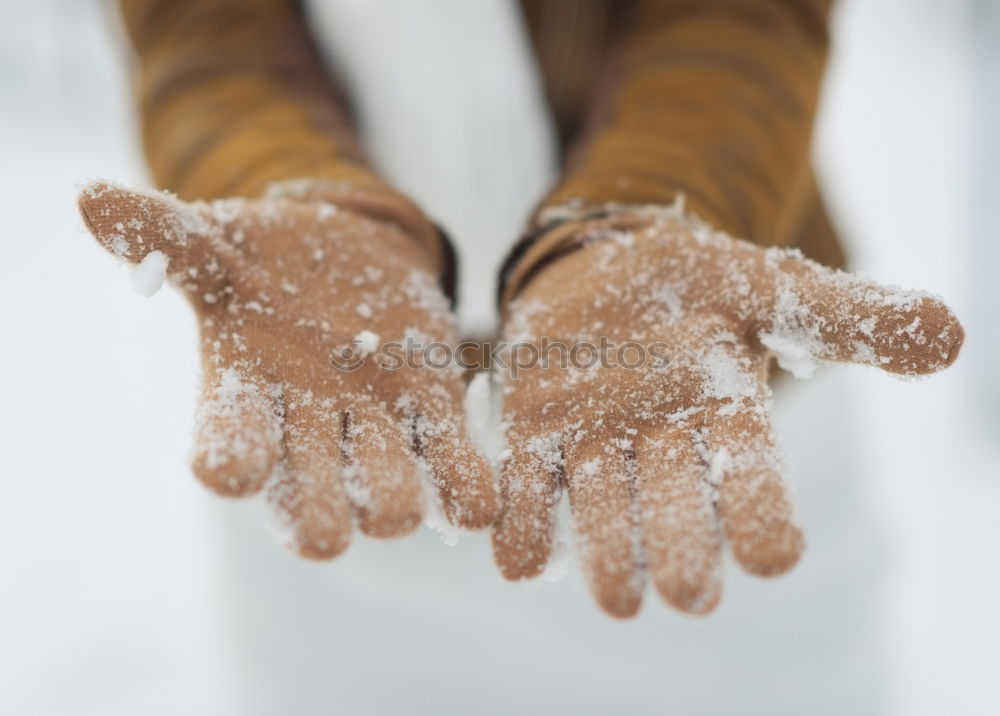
(664, 443)
(294, 297)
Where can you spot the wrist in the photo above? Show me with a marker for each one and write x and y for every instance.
(560, 230)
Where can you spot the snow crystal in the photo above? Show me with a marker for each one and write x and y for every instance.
(367, 342)
(232, 386)
(717, 464)
(793, 355)
(357, 491)
(118, 245)
(561, 559)
(725, 378)
(147, 276)
(591, 467)
(864, 354)
(434, 517)
(479, 409)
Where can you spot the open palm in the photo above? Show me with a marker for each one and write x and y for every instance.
(665, 448)
(290, 403)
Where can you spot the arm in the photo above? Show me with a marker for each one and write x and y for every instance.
(233, 98)
(301, 265)
(714, 99)
(710, 99)
(669, 457)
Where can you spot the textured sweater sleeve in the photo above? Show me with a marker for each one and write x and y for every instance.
(233, 96)
(714, 99)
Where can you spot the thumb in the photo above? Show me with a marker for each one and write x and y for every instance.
(845, 317)
(132, 224)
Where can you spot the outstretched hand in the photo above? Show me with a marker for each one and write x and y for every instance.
(290, 295)
(664, 444)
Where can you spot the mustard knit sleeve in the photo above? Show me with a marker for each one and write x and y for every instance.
(233, 96)
(714, 99)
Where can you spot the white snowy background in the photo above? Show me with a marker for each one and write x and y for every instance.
(108, 547)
